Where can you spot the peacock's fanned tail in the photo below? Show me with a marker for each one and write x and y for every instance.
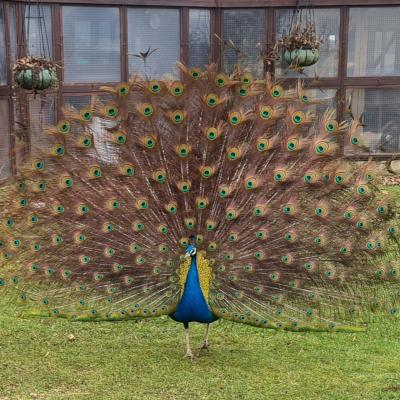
(291, 235)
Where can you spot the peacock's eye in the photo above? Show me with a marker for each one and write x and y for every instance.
(64, 127)
(177, 89)
(212, 100)
(154, 87)
(243, 92)
(177, 116)
(276, 91)
(331, 126)
(298, 117)
(123, 89)
(354, 140)
(305, 99)
(221, 80)
(234, 118)
(86, 115)
(111, 111)
(149, 141)
(39, 165)
(195, 73)
(212, 133)
(85, 141)
(119, 137)
(265, 112)
(58, 150)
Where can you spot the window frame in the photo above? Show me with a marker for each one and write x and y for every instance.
(341, 83)
(5, 89)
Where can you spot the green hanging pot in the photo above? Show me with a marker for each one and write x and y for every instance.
(301, 57)
(31, 79)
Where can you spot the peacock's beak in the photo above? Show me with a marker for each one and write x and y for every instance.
(186, 255)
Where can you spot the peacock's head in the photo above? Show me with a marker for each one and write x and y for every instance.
(190, 251)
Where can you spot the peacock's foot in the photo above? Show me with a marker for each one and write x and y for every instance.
(189, 355)
(203, 346)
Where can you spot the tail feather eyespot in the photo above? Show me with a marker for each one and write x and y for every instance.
(221, 80)
(122, 89)
(235, 118)
(195, 73)
(276, 91)
(94, 172)
(63, 127)
(177, 88)
(86, 114)
(232, 213)
(141, 203)
(202, 202)
(331, 126)
(148, 141)
(183, 150)
(212, 100)
(160, 175)
(293, 144)
(234, 153)
(211, 224)
(184, 186)
(280, 175)
(84, 141)
(247, 78)
(111, 110)
(190, 223)
(118, 137)
(212, 133)
(177, 117)
(154, 87)
(145, 109)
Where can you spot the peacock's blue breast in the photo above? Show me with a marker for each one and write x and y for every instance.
(193, 306)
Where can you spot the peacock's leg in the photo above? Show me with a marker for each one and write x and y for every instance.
(189, 353)
(204, 344)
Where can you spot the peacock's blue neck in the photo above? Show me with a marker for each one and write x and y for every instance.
(193, 306)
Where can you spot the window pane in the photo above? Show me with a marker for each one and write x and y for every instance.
(41, 116)
(199, 37)
(38, 30)
(246, 28)
(327, 98)
(374, 41)
(91, 44)
(12, 26)
(327, 22)
(381, 108)
(5, 163)
(155, 28)
(77, 102)
(3, 69)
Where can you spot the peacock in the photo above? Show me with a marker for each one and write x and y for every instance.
(211, 197)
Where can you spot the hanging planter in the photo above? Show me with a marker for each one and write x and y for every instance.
(301, 45)
(302, 57)
(35, 73)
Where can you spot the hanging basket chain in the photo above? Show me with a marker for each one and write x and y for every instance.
(44, 45)
(300, 45)
(302, 30)
(35, 72)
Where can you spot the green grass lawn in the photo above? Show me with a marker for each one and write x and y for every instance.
(143, 360)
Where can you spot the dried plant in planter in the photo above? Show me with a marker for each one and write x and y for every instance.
(301, 46)
(35, 73)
